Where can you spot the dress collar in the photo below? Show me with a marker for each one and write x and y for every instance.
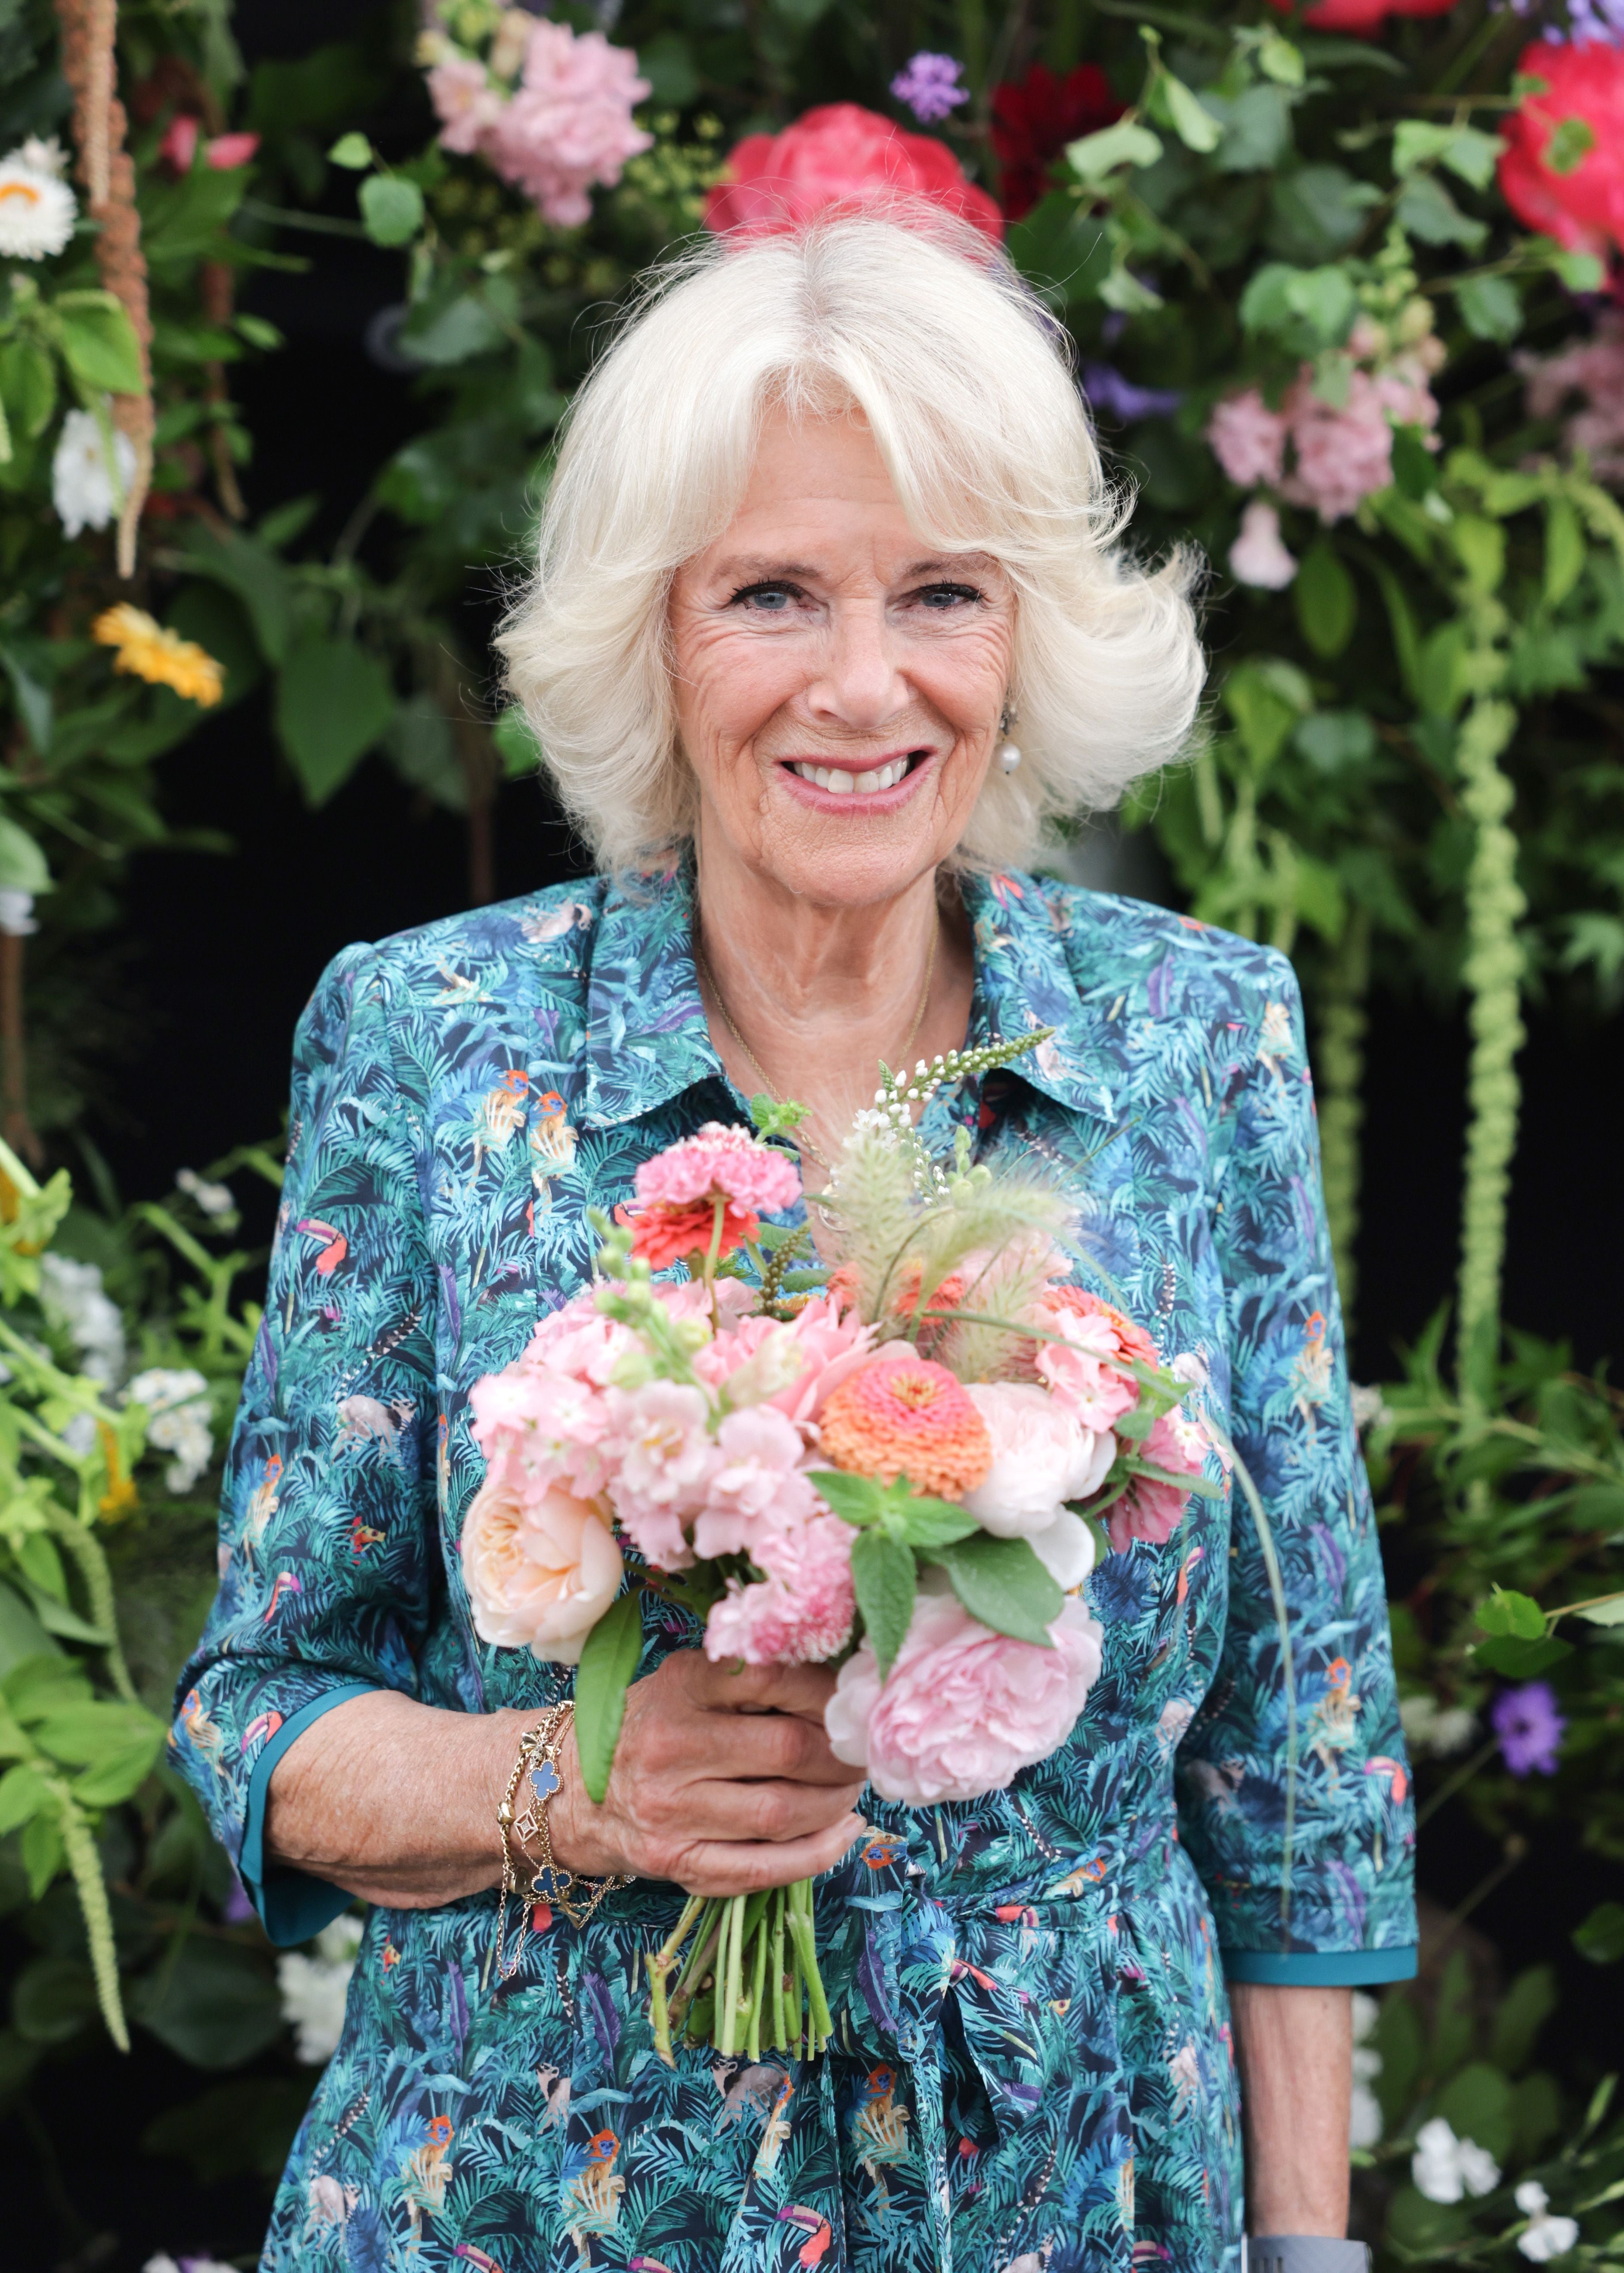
(647, 1038)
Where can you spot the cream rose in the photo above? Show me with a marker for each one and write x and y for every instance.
(1041, 1457)
(540, 1573)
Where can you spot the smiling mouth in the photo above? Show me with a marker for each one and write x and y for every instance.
(840, 781)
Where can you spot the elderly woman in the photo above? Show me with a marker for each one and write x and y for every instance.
(828, 620)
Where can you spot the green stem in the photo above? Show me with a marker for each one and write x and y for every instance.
(780, 2022)
(758, 1977)
(1492, 973)
(1447, 1790)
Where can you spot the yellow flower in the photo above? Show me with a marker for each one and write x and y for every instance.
(121, 1498)
(160, 656)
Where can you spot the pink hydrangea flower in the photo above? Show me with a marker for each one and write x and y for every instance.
(568, 125)
(732, 1162)
(1259, 556)
(1342, 454)
(1248, 440)
(758, 1486)
(964, 1709)
(666, 1460)
(1150, 1511)
(801, 1612)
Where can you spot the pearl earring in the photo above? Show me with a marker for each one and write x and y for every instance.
(1009, 754)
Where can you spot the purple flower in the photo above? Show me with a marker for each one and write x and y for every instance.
(1119, 398)
(238, 1910)
(1528, 1726)
(930, 87)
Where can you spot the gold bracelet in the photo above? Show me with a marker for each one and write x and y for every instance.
(521, 1822)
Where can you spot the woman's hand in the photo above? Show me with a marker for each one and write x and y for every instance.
(723, 1780)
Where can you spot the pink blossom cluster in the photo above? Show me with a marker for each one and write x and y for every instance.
(566, 126)
(730, 1162)
(1593, 370)
(1327, 456)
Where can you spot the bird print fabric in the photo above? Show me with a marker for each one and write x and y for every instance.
(1033, 2067)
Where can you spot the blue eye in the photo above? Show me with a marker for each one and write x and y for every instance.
(941, 598)
(772, 599)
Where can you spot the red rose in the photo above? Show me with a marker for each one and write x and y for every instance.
(1033, 120)
(840, 156)
(1364, 17)
(1581, 203)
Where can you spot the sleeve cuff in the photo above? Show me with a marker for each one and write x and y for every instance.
(1307, 1968)
(292, 1905)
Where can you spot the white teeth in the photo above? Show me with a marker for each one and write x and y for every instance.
(842, 783)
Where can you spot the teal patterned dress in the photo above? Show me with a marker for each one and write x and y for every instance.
(1033, 2069)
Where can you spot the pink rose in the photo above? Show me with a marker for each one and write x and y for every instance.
(758, 1486)
(963, 1709)
(666, 1460)
(837, 158)
(1041, 1457)
(802, 1612)
(540, 1573)
(1150, 1511)
(832, 1345)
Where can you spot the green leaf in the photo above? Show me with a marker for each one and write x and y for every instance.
(1518, 1661)
(1257, 125)
(33, 704)
(1508, 1613)
(99, 343)
(1475, 2103)
(1321, 303)
(1178, 107)
(1465, 151)
(883, 1578)
(241, 2129)
(515, 743)
(27, 386)
(927, 1523)
(23, 1793)
(1524, 2011)
(607, 1668)
(334, 700)
(857, 1500)
(53, 1999)
(1564, 550)
(1570, 144)
(1125, 144)
(1491, 307)
(217, 2006)
(83, 1733)
(1280, 61)
(247, 568)
(450, 332)
(41, 1850)
(22, 864)
(120, 1771)
(1600, 1937)
(351, 151)
(1580, 272)
(668, 62)
(1426, 210)
(391, 208)
(1326, 600)
(1001, 1582)
(1334, 739)
(1610, 1613)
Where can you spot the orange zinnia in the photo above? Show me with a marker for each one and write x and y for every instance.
(910, 1417)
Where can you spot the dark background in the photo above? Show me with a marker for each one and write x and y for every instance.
(223, 951)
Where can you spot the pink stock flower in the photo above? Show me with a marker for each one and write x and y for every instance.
(1259, 556)
(801, 1612)
(568, 124)
(541, 1428)
(1041, 1457)
(465, 103)
(1152, 1511)
(759, 1485)
(1248, 440)
(666, 1460)
(1342, 454)
(540, 1570)
(963, 1708)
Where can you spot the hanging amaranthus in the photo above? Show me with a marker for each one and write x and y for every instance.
(1343, 1019)
(1492, 973)
(89, 65)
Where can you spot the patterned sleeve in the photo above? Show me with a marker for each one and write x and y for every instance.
(326, 1521)
(1294, 1791)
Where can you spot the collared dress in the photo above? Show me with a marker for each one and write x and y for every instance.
(1033, 2067)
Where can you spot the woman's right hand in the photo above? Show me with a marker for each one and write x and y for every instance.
(723, 1780)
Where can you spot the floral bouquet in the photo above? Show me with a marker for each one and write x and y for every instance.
(903, 1463)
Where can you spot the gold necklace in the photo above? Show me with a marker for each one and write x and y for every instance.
(805, 1143)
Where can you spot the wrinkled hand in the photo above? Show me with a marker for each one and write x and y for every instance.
(723, 1780)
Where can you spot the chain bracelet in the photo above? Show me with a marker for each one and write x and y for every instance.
(522, 1824)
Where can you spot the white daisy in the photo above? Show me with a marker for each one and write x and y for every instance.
(37, 210)
(82, 487)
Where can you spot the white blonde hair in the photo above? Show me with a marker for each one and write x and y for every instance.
(966, 383)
